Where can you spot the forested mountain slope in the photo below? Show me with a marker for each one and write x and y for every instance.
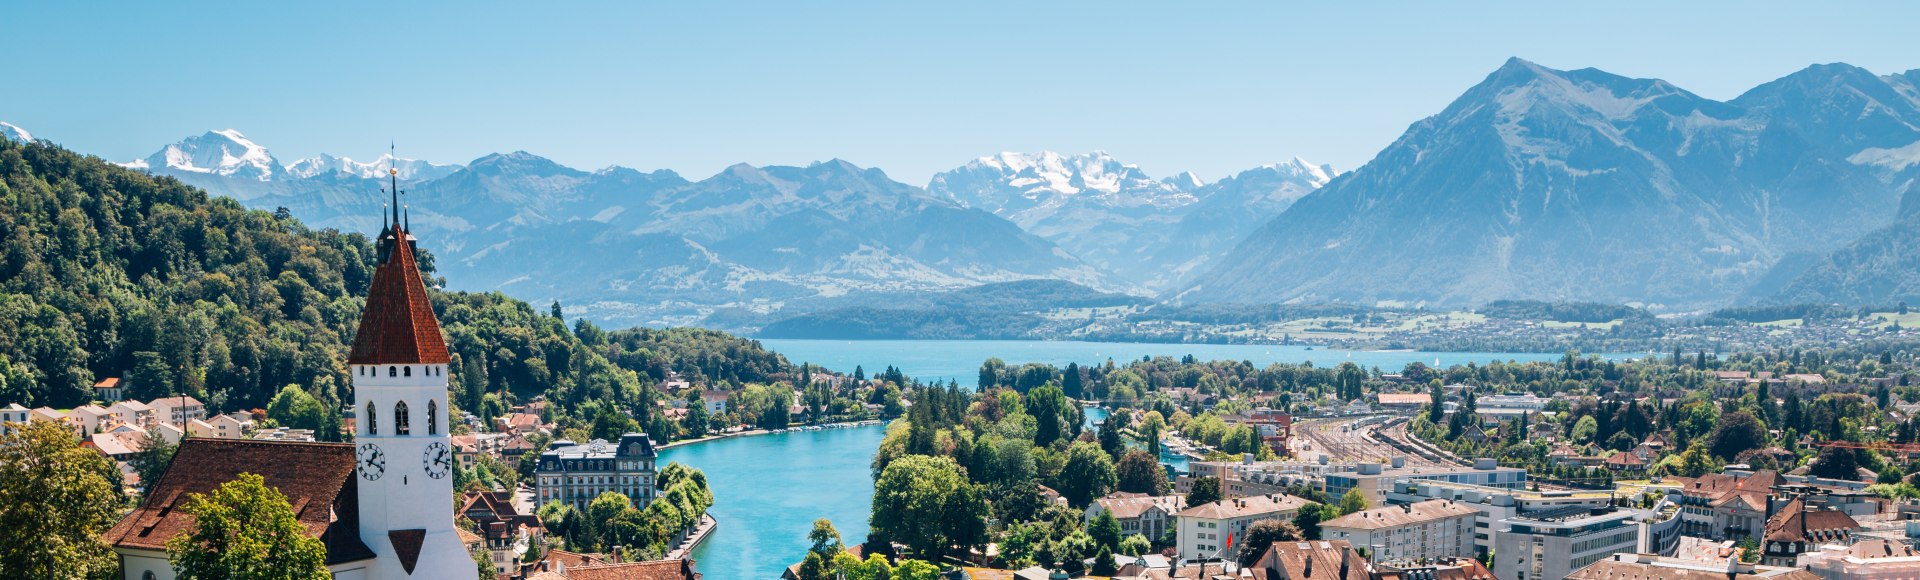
(106, 271)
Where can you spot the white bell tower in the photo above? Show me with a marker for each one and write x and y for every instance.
(405, 457)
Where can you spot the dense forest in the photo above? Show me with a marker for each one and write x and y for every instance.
(109, 272)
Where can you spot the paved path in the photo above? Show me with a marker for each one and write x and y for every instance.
(700, 531)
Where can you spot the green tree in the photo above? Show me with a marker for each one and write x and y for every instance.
(1103, 564)
(1309, 518)
(1836, 463)
(1151, 428)
(1436, 408)
(915, 570)
(609, 424)
(1105, 530)
(1135, 545)
(826, 540)
(1585, 429)
(815, 567)
(155, 454)
(1049, 408)
(1111, 438)
(245, 530)
(1140, 472)
(295, 408)
(55, 502)
(1265, 533)
(927, 504)
(1206, 490)
(602, 511)
(696, 422)
(1353, 501)
(1737, 431)
(1088, 474)
(483, 563)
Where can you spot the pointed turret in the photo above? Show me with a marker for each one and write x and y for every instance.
(398, 326)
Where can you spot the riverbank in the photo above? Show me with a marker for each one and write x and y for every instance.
(753, 432)
(693, 540)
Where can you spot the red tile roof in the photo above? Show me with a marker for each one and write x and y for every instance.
(1330, 559)
(317, 478)
(398, 326)
(1796, 523)
(653, 570)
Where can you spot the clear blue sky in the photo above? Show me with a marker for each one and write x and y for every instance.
(911, 87)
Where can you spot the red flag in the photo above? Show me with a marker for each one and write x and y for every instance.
(1229, 540)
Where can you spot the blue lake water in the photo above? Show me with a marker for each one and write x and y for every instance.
(768, 489)
(960, 359)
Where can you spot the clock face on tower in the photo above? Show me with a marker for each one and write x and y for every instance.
(373, 462)
(438, 459)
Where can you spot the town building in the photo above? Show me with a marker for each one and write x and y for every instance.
(504, 531)
(1328, 559)
(1426, 530)
(1726, 506)
(109, 389)
(1339, 560)
(222, 426)
(132, 412)
(716, 401)
(1863, 560)
(12, 417)
(1511, 404)
(1798, 529)
(178, 410)
(575, 473)
(316, 478)
(1204, 530)
(1404, 401)
(1493, 504)
(1146, 515)
(1627, 566)
(1551, 544)
(1374, 480)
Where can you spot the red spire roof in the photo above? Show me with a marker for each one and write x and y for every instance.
(398, 326)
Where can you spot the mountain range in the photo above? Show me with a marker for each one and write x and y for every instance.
(1535, 184)
(1588, 186)
(1149, 232)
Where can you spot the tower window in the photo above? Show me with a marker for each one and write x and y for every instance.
(373, 424)
(433, 413)
(400, 418)
(406, 371)
(393, 371)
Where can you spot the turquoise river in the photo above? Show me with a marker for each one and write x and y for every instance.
(768, 489)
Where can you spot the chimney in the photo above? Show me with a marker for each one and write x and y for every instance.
(1309, 571)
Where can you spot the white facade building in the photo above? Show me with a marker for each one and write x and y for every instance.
(1427, 530)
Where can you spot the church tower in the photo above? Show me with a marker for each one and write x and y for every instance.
(404, 455)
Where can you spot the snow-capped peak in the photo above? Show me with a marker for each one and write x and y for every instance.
(12, 132)
(1317, 175)
(1184, 181)
(407, 169)
(226, 152)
